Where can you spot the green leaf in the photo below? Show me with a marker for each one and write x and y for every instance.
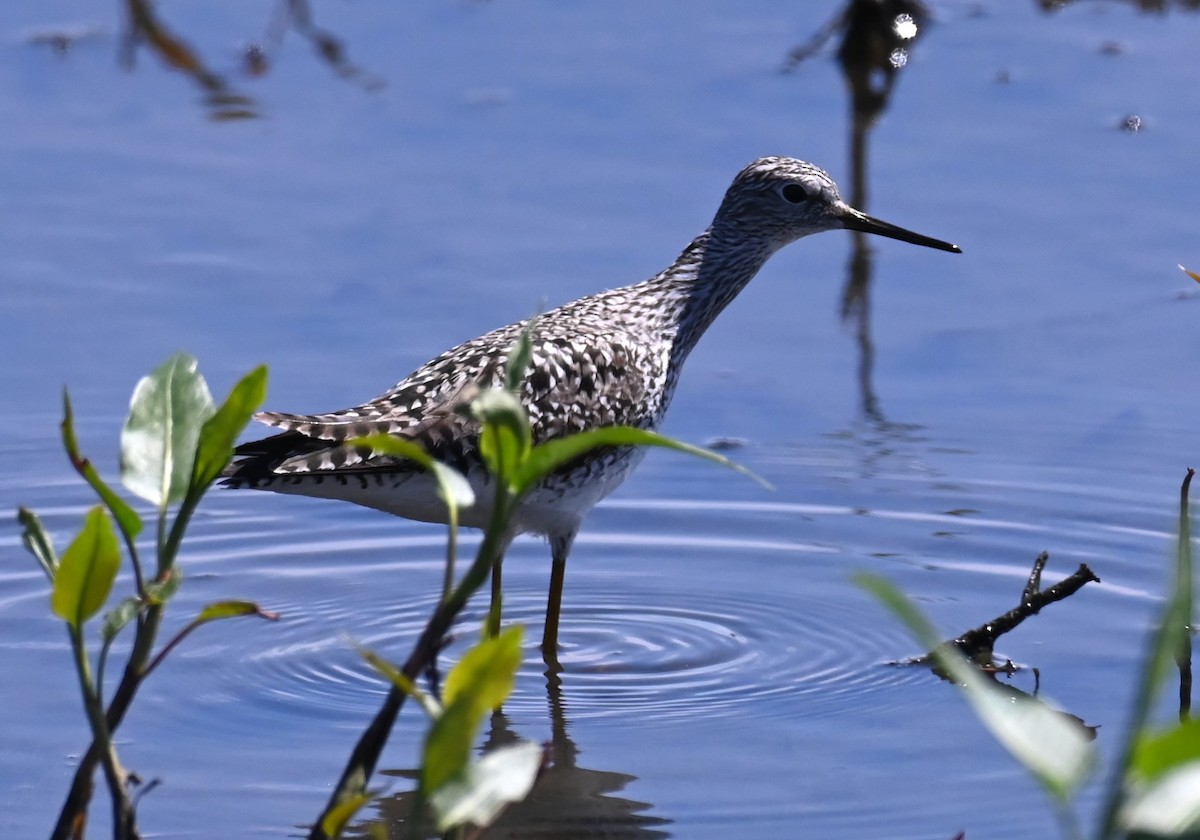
(1168, 640)
(158, 443)
(87, 571)
(127, 519)
(1157, 754)
(1164, 767)
(1169, 807)
(453, 487)
(114, 621)
(215, 611)
(219, 610)
(448, 745)
(398, 679)
(519, 357)
(549, 456)
(219, 433)
(506, 439)
(159, 592)
(339, 816)
(484, 788)
(480, 682)
(486, 672)
(119, 616)
(35, 538)
(1050, 746)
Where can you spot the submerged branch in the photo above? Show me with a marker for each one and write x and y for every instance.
(978, 642)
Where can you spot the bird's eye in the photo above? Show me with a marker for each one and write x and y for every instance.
(795, 193)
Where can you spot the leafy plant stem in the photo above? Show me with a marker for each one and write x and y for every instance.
(1068, 823)
(139, 578)
(123, 825)
(127, 521)
(366, 752)
(80, 792)
(1161, 649)
(500, 517)
(162, 537)
(451, 550)
(169, 551)
(171, 417)
(168, 647)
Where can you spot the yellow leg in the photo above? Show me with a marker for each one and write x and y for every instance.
(560, 547)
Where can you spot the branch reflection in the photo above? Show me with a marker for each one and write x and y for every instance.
(144, 27)
(223, 100)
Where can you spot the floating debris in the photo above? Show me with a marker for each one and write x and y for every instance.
(1132, 124)
(723, 444)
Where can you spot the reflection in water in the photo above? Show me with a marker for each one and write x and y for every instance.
(63, 39)
(145, 28)
(223, 101)
(1154, 6)
(296, 15)
(1017, 695)
(877, 38)
(567, 801)
(978, 643)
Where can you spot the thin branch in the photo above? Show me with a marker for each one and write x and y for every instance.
(978, 643)
(1183, 657)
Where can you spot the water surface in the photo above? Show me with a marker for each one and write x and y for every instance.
(723, 677)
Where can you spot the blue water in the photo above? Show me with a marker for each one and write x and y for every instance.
(723, 677)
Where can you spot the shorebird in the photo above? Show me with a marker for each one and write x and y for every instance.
(607, 359)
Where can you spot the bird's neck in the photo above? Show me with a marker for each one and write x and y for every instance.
(704, 279)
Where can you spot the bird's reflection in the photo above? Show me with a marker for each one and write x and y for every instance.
(567, 801)
(877, 38)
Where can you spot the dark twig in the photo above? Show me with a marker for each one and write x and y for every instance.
(1183, 657)
(1034, 585)
(978, 643)
(798, 55)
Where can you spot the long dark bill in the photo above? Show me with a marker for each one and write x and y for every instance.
(854, 220)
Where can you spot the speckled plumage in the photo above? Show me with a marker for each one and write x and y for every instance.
(611, 358)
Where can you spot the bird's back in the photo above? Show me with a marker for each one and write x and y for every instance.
(603, 360)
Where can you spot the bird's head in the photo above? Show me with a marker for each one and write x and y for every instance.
(781, 199)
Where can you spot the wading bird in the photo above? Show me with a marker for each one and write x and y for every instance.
(607, 359)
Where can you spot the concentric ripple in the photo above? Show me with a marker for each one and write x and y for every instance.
(637, 648)
(673, 609)
(713, 654)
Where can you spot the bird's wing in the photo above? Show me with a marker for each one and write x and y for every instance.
(318, 443)
(574, 383)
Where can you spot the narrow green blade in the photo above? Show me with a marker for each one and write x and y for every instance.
(219, 433)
